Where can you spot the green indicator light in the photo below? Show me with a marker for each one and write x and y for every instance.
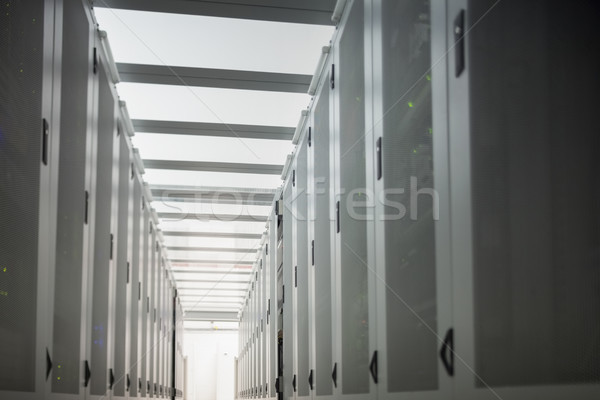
(430, 130)
(58, 378)
(59, 366)
(4, 269)
(414, 151)
(410, 103)
(3, 293)
(428, 77)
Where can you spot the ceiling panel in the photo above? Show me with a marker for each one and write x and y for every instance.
(234, 43)
(217, 179)
(197, 104)
(212, 149)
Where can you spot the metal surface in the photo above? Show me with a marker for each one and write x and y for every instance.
(214, 129)
(211, 249)
(197, 261)
(211, 316)
(212, 217)
(307, 12)
(213, 195)
(241, 168)
(217, 78)
(214, 234)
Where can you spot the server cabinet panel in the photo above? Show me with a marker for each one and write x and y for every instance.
(351, 211)
(410, 200)
(301, 273)
(135, 289)
(122, 278)
(322, 243)
(264, 318)
(272, 303)
(151, 308)
(72, 199)
(288, 285)
(527, 320)
(103, 244)
(144, 309)
(22, 48)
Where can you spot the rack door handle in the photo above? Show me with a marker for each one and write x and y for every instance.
(88, 374)
(334, 375)
(48, 364)
(447, 352)
(310, 379)
(373, 367)
(111, 378)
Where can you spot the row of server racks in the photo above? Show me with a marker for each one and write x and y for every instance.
(437, 234)
(88, 309)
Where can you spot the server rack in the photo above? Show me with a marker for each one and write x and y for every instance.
(28, 160)
(272, 308)
(301, 314)
(75, 40)
(354, 351)
(102, 217)
(478, 250)
(322, 225)
(529, 261)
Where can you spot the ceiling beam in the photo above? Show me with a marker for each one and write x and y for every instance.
(232, 296)
(204, 270)
(215, 78)
(214, 129)
(316, 12)
(221, 289)
(268, 169)
(212, 217)
(212, 249)
(223, 235)
(213, 195)
(210, 316)
(192, 261)
(214, 281)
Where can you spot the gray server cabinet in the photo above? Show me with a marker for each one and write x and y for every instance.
(72, 229)
(301, 267)
(323, 229)
(272, 303)
(103, 247)
(151, 308)
(135, 288)
(264, 326)
(123, 279)
(160, 307)
(288, 285)
(353, 355)
(145, 300)
(29, 129)
(524, 155)
(411, 192)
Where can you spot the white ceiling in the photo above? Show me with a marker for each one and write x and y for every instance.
(212, 273)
